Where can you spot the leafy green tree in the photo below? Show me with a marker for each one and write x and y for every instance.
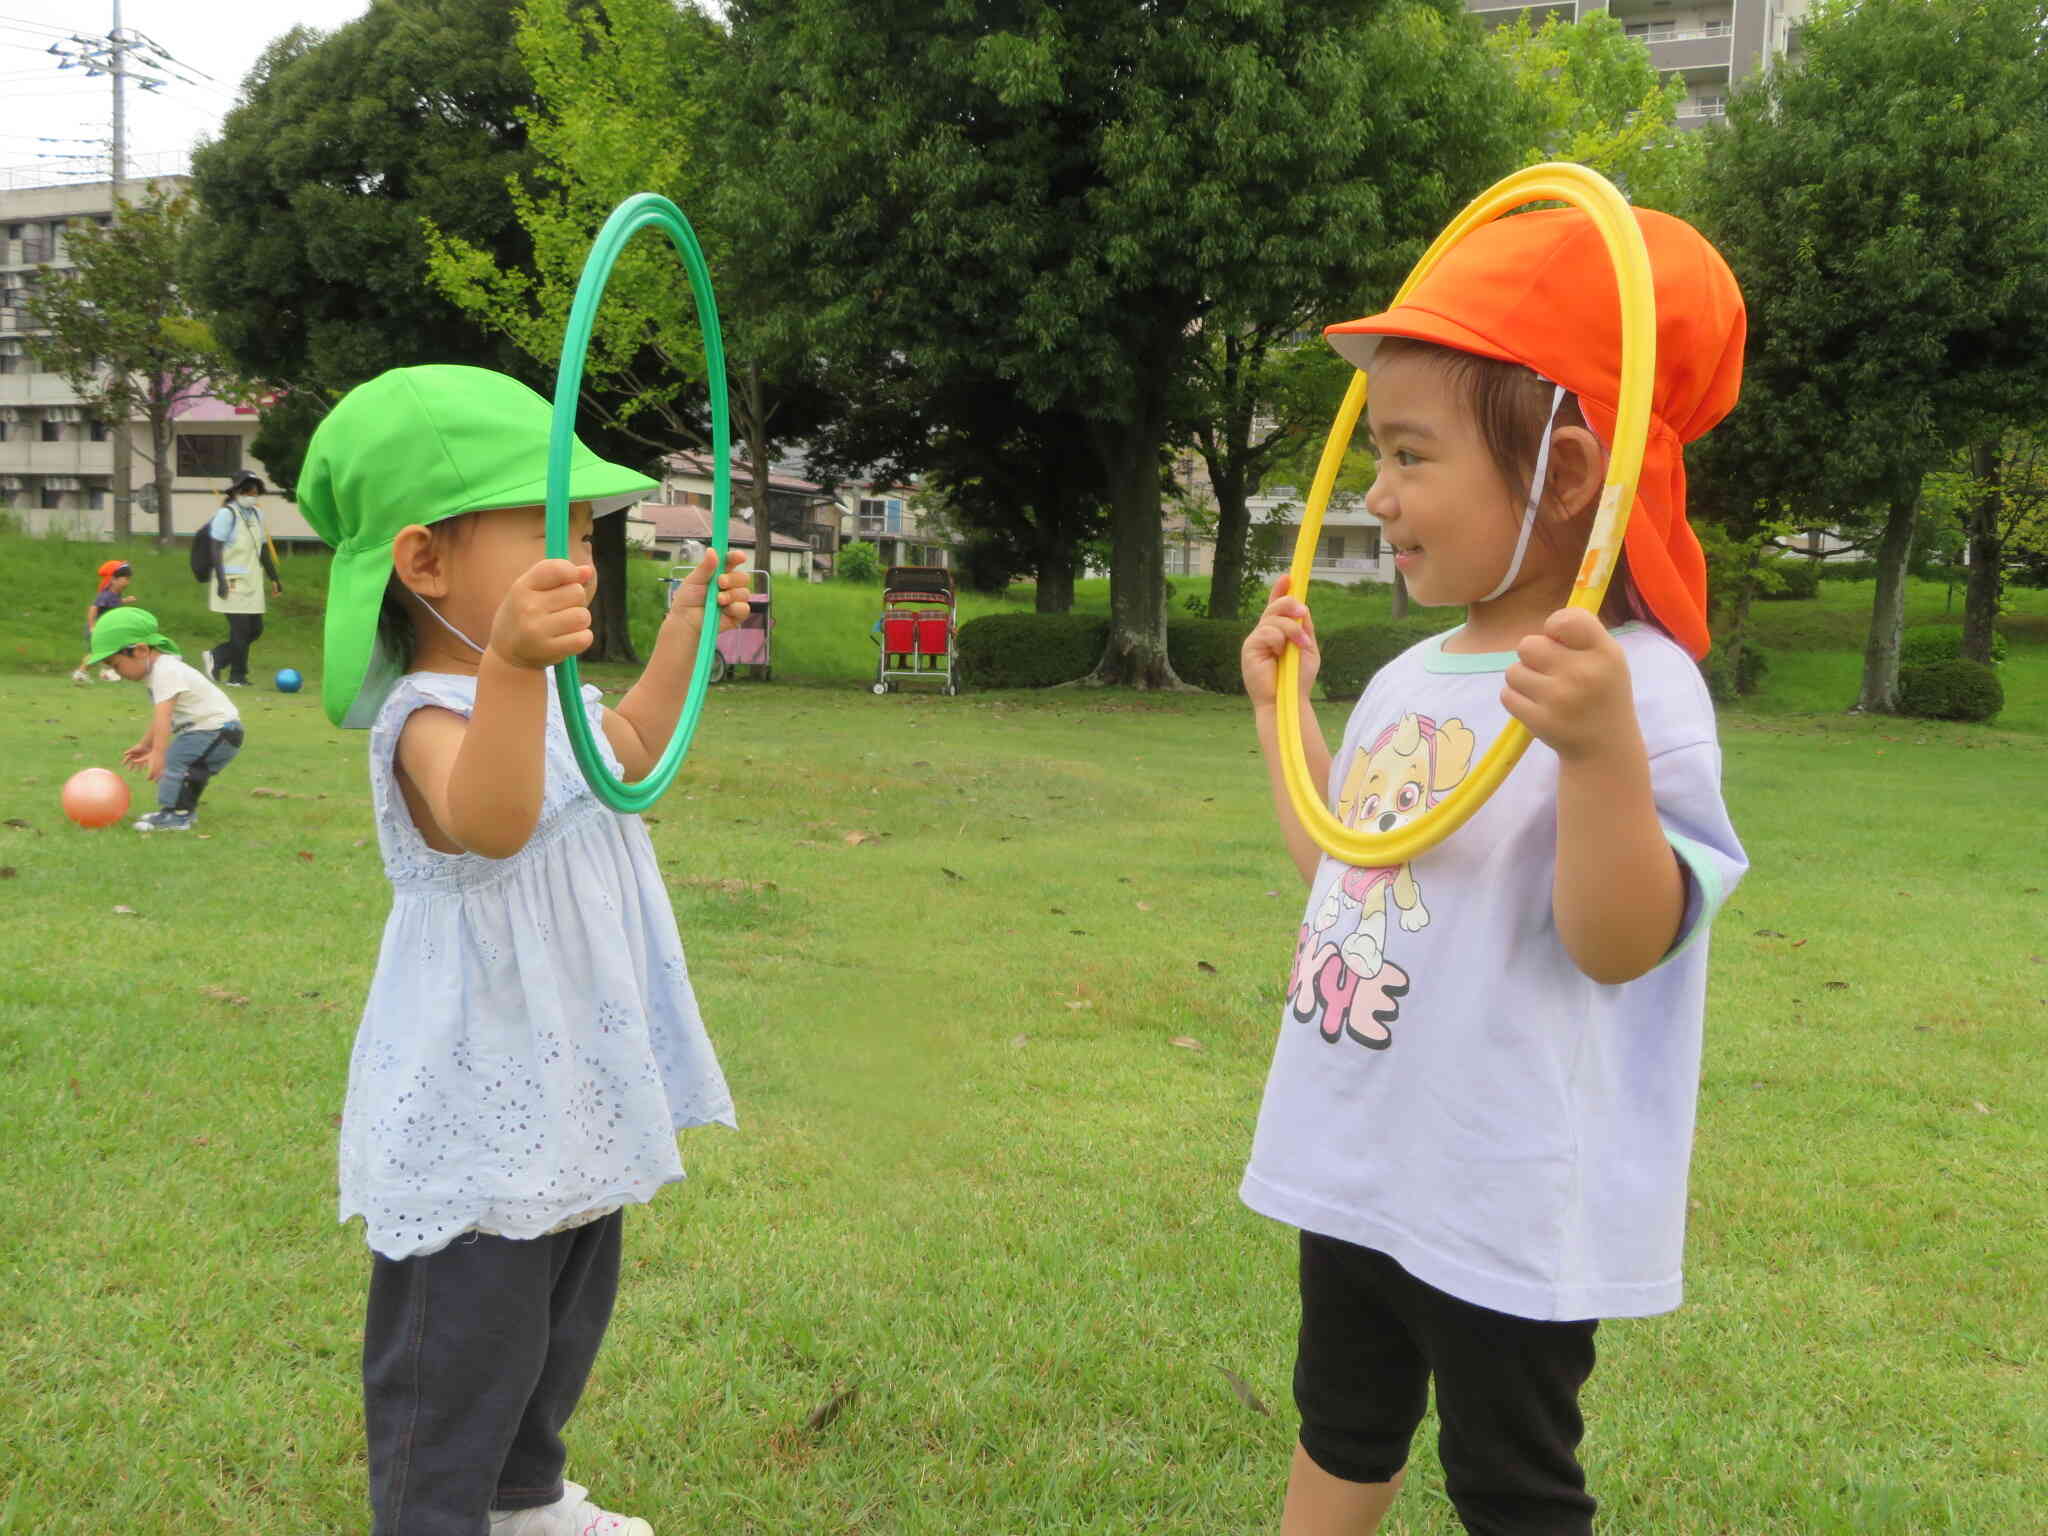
(626, 100)
(1064, 196)
(1996, 495)
(1594, 97)
(1886, 210)
(310, 253)
(119, 329)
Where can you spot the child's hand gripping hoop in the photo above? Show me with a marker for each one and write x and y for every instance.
(1593, 195)
(627, 220)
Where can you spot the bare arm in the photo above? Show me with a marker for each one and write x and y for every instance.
(480, 780)
(1619, 894)
(640, 727)
(148, 753)
(1286, 622)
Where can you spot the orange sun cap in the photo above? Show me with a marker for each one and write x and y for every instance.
(1538, 289)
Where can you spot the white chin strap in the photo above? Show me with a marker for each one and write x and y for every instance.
(458, 634)
(1535, 500)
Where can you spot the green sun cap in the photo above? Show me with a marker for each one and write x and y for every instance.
(120, 628)
(421, 445)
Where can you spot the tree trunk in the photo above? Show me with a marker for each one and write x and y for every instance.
(1987, 556)
(1880, 694)
(160, 441)
(1054, 589)
(1233, 528)
(1400, 604)
(1736, 639)
(124, 475)
(611, 634)
(1136, 653)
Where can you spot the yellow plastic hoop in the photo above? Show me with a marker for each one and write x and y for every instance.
(1593, 195)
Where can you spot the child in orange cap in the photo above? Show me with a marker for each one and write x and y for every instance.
(114, 578)
(1481, 1101)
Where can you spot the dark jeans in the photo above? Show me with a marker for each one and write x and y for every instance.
(473, 1360)
(1507, 1391)
(231, 656)
(191, 760)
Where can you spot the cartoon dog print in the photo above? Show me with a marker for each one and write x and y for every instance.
(1413, 764)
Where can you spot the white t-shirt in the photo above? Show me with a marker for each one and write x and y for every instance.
(196, 704)
(1448, 1087)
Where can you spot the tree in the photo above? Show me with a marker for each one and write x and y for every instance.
(1997, 493)
(119, 329)
(1885, 209)
(1064, 196)
(625, 101)
(1593, 97)
(310, 254)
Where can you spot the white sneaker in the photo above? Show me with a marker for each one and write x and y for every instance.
(80, 675)
(571, 1515)
(167, 821)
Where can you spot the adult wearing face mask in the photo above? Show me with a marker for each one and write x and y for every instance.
(242, 563)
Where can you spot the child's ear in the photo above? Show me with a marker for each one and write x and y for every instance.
(1578, 471)
(417, 561)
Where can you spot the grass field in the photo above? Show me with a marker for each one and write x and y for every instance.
(980, 1199)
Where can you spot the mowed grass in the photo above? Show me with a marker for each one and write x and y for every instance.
(974, 1262)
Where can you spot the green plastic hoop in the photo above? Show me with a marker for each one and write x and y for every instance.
(627, 220)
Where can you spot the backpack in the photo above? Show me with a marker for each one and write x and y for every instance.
(205, 553)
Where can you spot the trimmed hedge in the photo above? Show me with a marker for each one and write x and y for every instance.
(1206, 652)
(1351, 655)
(1029, 650)
(1925, 644)
(1950, 690)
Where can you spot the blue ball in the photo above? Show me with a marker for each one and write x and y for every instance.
(288, 681)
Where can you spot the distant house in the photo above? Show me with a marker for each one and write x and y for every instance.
(802, 510)
(676, 530)
(888, 517)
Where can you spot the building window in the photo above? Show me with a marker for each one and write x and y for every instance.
(881, 514)
(96, 501)
(53, 431)
(6, 362)
(1372, 544)
(209, 455)
(1649, 31)
(3, 426)
(99, 432)
(51, 500)
(1330, 547)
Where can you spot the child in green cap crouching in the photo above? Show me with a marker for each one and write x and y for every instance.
(194, 731)
(531, 1044)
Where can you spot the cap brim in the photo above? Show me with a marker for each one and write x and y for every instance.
(99, 650)
(1357, 340)
(608, 487)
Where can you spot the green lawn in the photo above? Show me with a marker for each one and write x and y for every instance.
(977, 1183)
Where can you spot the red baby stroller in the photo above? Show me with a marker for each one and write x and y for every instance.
(915, 632)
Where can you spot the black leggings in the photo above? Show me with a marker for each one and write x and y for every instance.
(231, 656)
(1507, 1391)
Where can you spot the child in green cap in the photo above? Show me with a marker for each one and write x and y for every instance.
(194, 731)
(531, 1044)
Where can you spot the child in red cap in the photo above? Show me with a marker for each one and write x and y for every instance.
(1481, 1101)
(114, 578)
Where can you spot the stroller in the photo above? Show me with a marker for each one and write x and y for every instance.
(752, 644)
(915, 632)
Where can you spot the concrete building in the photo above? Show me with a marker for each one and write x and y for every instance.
(1712, 45)
(56, 461)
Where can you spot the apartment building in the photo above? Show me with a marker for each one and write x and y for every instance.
(56, 460)
(1711, 45)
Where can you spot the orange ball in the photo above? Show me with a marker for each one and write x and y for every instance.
(94, 797)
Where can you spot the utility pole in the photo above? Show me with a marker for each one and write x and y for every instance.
(124, 447)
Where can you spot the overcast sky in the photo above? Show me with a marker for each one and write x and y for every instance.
(216, 38)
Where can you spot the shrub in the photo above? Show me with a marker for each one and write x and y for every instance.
(1727, 687)
(859, 561)
(1353, 654)
(1205, 652)
(1950, 690)
(1029, 650)
(1925, 644)
(1782, 581)
(1848, 570)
